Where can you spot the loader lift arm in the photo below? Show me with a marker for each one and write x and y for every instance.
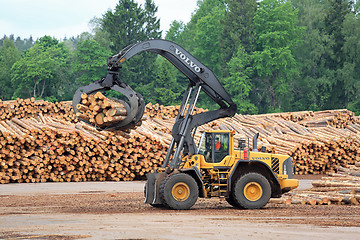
(201, 78)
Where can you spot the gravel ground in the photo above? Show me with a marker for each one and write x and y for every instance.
(117, 211)
(23, 189)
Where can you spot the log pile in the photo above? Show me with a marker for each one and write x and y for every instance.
(100, 110)
(28, 108)
(337, 118)
(47, 149)
(290, 116)
(315, 150)
(321, 156)
(342, 188)
(166, 112)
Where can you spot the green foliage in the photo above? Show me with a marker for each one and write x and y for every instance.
(21, 44)
(271, 55)
(127, 24)
(50, 99)
(152, 23)
(334, 18)
(42, 71)
(9, 54)
(205, 8)
(124, 24)
(89, 62)
(239, 83)
(350, 72)
(208, 39)
(311, 86)
(164, 89)
(276, 33)
(335, 59)
(238, 28)
(98, 34)
(175, 31)
(202, 37)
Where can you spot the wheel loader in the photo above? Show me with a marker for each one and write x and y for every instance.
(217, 166)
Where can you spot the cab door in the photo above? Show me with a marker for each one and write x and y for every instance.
(221, 146)
(214, 147)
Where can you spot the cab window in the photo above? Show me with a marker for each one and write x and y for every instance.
(214, 146)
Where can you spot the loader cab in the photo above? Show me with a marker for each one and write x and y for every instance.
(214, 146)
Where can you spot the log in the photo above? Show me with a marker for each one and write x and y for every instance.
(100, 110)
(340, 189)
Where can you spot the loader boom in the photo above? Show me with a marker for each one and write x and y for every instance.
(200, 77)
(192, 68)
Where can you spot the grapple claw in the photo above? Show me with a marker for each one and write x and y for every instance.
(134, 104)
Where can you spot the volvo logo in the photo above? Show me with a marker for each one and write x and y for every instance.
(187, 60)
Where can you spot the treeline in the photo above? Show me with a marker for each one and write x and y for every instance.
(271, 55)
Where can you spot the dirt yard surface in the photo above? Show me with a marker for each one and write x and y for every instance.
(110, 211)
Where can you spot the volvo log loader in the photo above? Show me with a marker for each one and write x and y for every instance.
(215, 167)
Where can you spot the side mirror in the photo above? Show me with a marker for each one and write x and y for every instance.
(263, 149)
(242, 144)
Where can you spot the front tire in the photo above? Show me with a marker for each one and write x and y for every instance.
(230, 199)
(252, 191)
(179, 191)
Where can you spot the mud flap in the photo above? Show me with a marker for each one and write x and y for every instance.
(152, 193)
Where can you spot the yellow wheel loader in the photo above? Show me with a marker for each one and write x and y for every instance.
(246, 179)
(216, 166)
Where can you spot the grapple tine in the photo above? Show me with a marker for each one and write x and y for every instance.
(152, 189)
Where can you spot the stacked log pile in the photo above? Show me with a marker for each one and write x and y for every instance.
(166, 112)
(47, 149)
(340, 188)
(290, 116)
(337, 118)
(28, 108)
(315, 150)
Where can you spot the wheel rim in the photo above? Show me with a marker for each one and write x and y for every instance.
(253, 191)
(180, 191)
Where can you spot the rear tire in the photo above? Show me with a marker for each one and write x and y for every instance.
(179, 191)
(251, 191)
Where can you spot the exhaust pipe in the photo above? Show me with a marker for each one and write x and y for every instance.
(255, 138)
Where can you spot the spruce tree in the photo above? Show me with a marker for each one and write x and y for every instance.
(238, 28)
(334, 18)
(127, 24)
(9, 54)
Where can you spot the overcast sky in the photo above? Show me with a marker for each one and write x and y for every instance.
(60, 18)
